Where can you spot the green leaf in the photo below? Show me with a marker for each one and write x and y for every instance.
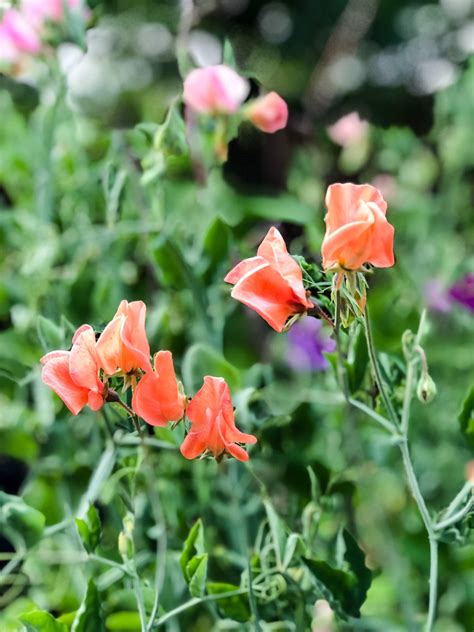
(89, 529)
(193, 560)
(228, 56)
(201, 360)
(51, 336)
(294, 546)
(39, 621)
(89, 617)
(236, 607)
(20, 522)
(123, 622)
(194, 544)
(277, 530)
(346, 591)
(197, 572)
(466, 417)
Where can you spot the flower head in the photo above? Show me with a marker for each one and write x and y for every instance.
(268, 113)
(270, 283)
(463, 292)
(214, 90)
(123, 345)
(212, 423)
(157, 398)
(348, 130)
(357, 230)
(74, 374)
(307, 343)
(21, 33)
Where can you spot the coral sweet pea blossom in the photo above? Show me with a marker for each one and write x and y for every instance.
(214, 90)
(123, 345)
(74, 374)
(357, 230)
(268, 113)
(213, 427)
(270, 283)
(157, 398)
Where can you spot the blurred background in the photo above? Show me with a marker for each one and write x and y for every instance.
(93, 211)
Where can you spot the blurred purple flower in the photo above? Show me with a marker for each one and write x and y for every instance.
(436, 296)
(307, 341)
(463, 292)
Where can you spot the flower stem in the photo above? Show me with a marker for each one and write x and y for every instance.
(341, 371)
(376, 369)
(406, 457)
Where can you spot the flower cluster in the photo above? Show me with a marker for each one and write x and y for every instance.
(83, 375)
(22, 29)
(357, 233)
(220, 91)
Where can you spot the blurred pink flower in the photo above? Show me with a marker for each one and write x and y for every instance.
(9, 52)
(214, 90)
(21, 33)
(37, 11)
(348, 130)
(387, 185)
(268, 113)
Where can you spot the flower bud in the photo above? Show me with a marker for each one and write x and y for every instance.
(125, 540)
(268, 113)
(426, 389)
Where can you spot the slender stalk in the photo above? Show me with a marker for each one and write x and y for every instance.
(341, 371)
(137, 589)
(457, 500)
(376, 369)
(194, 602)
(408, 465)
(383, 421)
(439, 526)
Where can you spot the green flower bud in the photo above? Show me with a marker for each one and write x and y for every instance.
(426, 389)
(125, 540)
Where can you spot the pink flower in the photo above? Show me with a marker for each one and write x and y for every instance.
(37, 11)
(268, 113)
(214, 90)
(21, 32)
(348, 130)
(74, 374)
(9, 52)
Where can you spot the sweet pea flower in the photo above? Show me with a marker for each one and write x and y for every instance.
(213, 427)
(357, 230)
(74, 374)
(268, 113)
(157, 398)
(21, 32)
(270, 283)
(215, 90)
(348, 130)
(123, 345)
(38, 11)
(463, 292)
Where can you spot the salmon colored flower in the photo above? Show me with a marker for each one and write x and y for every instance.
(74, 374)
(268, 113)
(214, 90)
(213, 427)
(270, 283)
(157, 398)
(357, 230)
(123, 345)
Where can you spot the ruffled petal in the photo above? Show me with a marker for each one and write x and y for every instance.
(55, 374)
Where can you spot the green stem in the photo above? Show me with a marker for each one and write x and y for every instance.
(439, 526)
(341, 371)
(383, 421)
(194, 602)
(137, 589)
(457, 500)
(376, 369)
(408, 465)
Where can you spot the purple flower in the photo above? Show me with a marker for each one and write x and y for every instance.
(463, 292)
(307, 341)
(436, 296)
